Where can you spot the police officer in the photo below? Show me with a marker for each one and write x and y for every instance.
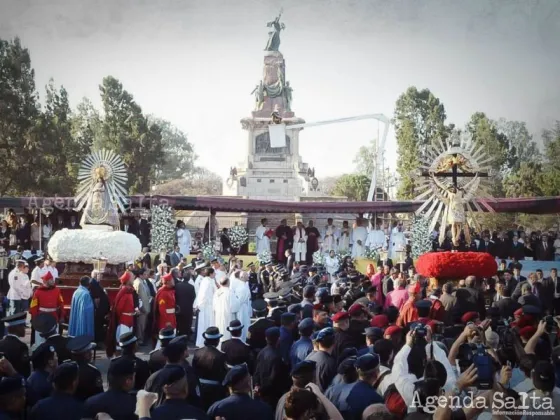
(90, 382)
(373, 335)
(342, 337)
(157, 360)
(326, 362)
(175, 404)
(210, 366)
(304, 346)
(128, 344)
(39, 384)
(12, 397)
(256, 332)
(118, 401)
(239, 405)
(45, 324)
(176, 353)
(236, 351)
(286, 340)
(15, 350)
(61, 404)
(363, 394)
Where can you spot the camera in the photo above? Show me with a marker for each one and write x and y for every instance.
(484, 367)
(420, 330)
(551, 327)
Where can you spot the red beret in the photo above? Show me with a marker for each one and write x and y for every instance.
(469, 316)
(433, 324)
(527, 332)
(525, 320)
(355, 309)
(339, 316)
(125, 277)
(46, 277)
(320, 307)
(167, 278)
(396, 405)
(392, 330)
(519, 312)
(379, 321)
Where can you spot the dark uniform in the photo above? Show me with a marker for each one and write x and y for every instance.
(256, 333)
(120, 405)
(17, 353)
(325, 369)
(46, 326)
(156, 360)
(271, 375)
(342, 340)
(172, 409)
(60, 344)
(237, 353)
(39, 386)
(90, 382)
(241, 407)
(209, 364)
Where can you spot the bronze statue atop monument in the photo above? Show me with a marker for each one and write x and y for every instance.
(274, 36)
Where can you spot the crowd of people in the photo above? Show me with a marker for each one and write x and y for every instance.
(274, 342)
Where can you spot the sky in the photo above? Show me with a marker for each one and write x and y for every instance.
(195, 63)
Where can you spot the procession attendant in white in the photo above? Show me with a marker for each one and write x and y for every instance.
(20, 288)
(300, 242)
(345, 237)
(332, 264)
(397, 242)
(239, 284)
(330, 236)
(50, 265)
(204, 304)
(226, 305)
(262, 240)
(38, 272)
(376, 238)
(359, 235)
(184, 239)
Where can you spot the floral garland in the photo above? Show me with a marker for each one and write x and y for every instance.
(163, 229)
(238, 236)
(421, 242)
(318, 258)
(343, 253)
(456, 265)
(371, 254)
(264, 257)
(208, 251)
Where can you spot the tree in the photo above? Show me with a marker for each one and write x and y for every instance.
(353, 186)
(127, 131)
(20, 141)
(202, 182)
(179, 153)
(551, 177)
(527, 181)
(365, 158)
(522, 148)
(419, 122)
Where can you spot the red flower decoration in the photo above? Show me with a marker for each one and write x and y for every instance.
(456, 265)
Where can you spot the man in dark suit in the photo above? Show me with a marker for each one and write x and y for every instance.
(385, 262)
(256, 333)
(517, 273)
(550, 293)
(543, 250)
(517, 249)
(128, 226)
(237, 352)
(502, 246)
(503, 301)
(74, 224)
(146, 258)
(290, 260)
(486, 245)
(476, 297)
(175, 257)
(529, 295)
(534, 287)
(144, 232)
(184, 299)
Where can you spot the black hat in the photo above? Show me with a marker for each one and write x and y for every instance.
(167, 333)
(425, 304)
(367, 362)
(295, 308)
(235, 325)
(10, 384)
(288, 317)
(302, 368)
(337, 298)
(272, 332)
(176, 346)
(44, 323)
(544, 376)
(271, 296)
(127, 339)
(374, 332)
(212, 333)
(122, 366)
(42, 354)
(80, 344)
(15, 319)
(305, 324)
(327, 299)
(65, 372)
(347, 365)
(259, 305)
(251, 264)
(171, 374)
(531, 310)
(348, 352)
(235, 374)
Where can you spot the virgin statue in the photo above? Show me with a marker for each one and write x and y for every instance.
(99, 209)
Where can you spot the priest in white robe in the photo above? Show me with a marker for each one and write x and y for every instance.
(397, 242)
(300, 243)
(344, 237)
(204, 302)
(184, 240)
(226, 306)
(332, 264)
(359, 235)
(239, 284)
(330, 237)
(262, 240)
(376, 238)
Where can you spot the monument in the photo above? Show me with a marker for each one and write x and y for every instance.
(273, 169)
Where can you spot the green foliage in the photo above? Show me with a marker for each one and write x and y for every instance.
(419, 121)
(421, 242)
(179, 153)
(522, 148)
(551, 177)
(527, 181)
(365, 159)
(353, 186)
(127, 131)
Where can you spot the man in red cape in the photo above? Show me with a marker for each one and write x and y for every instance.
(164, 305)
(47, 299)
(408, 312)
(123, 311)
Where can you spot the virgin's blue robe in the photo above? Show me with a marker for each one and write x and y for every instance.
(81, 314)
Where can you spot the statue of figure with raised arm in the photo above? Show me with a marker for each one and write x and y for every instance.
(274, 36)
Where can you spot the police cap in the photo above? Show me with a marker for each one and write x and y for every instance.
(302, 368)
